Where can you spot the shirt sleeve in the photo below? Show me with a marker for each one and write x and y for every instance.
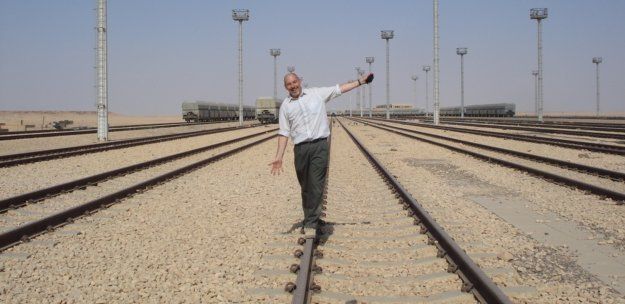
(283, 121)
(329, 93)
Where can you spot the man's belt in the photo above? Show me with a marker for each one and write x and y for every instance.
(311, 141)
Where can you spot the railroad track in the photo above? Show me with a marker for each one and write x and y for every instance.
(372, 251)
(37, 156)
(605, 183)
(50, 133)
(617, 133)
(613, 127)
(572, 144)
(46, 209)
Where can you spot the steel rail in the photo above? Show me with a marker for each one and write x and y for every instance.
(27, 198)
(600, 191)
(474, 278)
(29, 230)
(51, 133)
(175, 124)
(572, 144)
(540, 125)
(37, 156)
(543, 159)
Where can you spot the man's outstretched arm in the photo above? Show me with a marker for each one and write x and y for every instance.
(348, 86)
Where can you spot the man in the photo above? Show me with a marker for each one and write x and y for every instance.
(303, 118)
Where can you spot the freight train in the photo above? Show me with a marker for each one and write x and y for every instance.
(484, 110)
(196, 111)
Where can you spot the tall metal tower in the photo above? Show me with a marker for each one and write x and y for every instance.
(370, 60)
(415, 78)
(240, 15)
(387, 35)
(461, 52)
(535, 73)
(275, 53)
(436, 67)
(597, 61)
(426, 69)
(101, 66)
(358, 73)
(539, 14)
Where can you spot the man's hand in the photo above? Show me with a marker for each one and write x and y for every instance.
(276, 167)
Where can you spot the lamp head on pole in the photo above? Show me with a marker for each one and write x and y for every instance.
(274, 52)
(290, 68)
(369, 59)
(240, 15)
(461, 51)
(597, 60)
(387, 34)
(426, 68)
(538, 13)
(414, 77)
(535, 72)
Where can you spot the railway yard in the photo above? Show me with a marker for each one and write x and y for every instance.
(475, 211)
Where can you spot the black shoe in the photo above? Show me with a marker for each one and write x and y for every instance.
(322, 223)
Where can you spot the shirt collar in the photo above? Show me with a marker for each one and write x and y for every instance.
(291, 98)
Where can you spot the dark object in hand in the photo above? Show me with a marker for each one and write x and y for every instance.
(369, 78)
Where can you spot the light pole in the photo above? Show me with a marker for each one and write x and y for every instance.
(535, 73)
(597, 61)
(370, 60)
(240, 15)
(358, 73)
(275, 53)
(461, 52)
(426, 69)
(387, 35)
(539, 14)
(436, 67)
(101, 66)
(415, 78)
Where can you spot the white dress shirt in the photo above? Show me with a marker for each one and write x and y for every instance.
(305, 119)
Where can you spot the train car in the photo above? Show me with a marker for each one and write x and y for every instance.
(267, 109)
(201, 111)
(484, 110)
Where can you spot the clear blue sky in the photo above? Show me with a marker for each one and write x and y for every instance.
(164, 52)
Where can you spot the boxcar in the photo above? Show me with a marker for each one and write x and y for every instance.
(199, 111)
(484, 110)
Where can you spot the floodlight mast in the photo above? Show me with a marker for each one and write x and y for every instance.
(370, 60)
(461, 51)
(426, 69)
(539, 14)
(387, 35)
(240, 15)
(275, 53)
(415, 78)
(362, 93)
(436, 66)
(597, 61)
(358, 73)
(102, 72)
(535, 73)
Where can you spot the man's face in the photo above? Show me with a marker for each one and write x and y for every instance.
(293, 85)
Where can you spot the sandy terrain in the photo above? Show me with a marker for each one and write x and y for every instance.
(42, 120)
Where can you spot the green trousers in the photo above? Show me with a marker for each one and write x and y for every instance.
(311, 163)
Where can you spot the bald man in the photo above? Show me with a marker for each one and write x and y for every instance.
(303, 118)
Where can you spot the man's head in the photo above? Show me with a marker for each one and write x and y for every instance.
(293, 85)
